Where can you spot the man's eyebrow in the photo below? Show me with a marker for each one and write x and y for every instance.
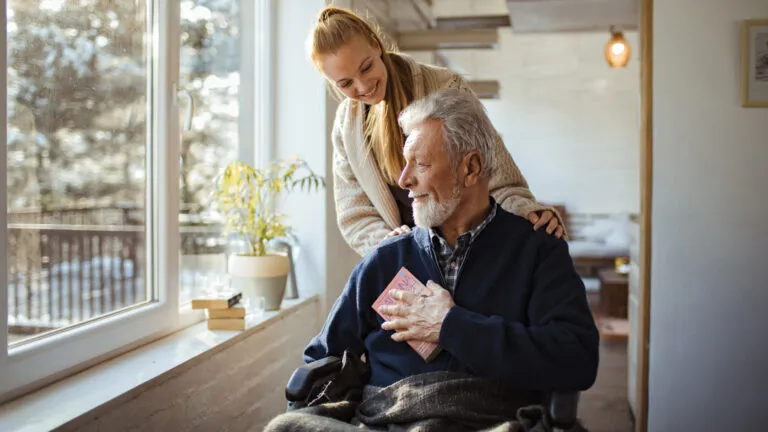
(358, 68)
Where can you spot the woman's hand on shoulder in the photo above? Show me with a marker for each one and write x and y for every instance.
(548, 219)
(398, 231)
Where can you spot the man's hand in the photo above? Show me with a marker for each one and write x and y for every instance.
(418, 317)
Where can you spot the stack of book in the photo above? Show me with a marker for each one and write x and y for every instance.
(224, 311)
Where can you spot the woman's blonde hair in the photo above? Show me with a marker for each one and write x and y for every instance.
(337, 26)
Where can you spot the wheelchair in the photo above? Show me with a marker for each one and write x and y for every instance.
(562, 405)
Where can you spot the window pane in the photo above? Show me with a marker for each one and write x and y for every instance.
(210, 72)
(77, 145)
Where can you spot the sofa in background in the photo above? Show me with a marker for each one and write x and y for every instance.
(596, 240)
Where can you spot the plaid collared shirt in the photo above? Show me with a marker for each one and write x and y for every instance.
(450, 260)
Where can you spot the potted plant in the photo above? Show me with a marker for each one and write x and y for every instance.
(246, 198)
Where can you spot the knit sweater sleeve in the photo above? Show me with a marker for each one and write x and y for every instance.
(360, 223)
(349, 319)
(507, 185)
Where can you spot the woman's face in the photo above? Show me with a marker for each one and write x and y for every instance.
(357, 70)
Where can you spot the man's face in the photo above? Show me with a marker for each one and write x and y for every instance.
(430, 175)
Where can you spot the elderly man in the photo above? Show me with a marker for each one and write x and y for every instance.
(506, 303)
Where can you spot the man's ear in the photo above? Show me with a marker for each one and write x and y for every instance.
(472, 164)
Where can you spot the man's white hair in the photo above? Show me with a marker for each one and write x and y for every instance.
(466, 126)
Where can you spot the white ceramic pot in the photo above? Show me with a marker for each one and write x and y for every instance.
(260, 276)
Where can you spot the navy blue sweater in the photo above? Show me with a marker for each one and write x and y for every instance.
(521, 313)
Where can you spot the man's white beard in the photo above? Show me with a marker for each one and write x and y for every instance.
(432, 214)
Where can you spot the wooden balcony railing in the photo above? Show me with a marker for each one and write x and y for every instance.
(70, 273)
(64, 273)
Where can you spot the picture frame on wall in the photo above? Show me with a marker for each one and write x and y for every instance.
(754, 66)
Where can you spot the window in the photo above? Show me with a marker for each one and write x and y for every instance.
(110, 158)
(83, 189)
(77, 140)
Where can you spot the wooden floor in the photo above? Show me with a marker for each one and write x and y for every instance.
(604, 407)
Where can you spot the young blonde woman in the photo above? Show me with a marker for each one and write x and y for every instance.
(376, 84)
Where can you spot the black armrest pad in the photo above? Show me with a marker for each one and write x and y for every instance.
(563, 407)
(306, 377)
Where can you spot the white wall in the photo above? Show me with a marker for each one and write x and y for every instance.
(709, 284)
(569, 120)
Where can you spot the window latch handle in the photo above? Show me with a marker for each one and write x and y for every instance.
(190, 109)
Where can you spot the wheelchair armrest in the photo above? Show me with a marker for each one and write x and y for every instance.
(307, 377)
(563, 408)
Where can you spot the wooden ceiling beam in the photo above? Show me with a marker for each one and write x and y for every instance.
(473, 22)
(552, 16)
(431, 40)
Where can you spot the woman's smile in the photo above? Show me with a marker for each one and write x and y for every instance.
(373, 90)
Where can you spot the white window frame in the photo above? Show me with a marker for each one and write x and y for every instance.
(39, 362)
(264, 16)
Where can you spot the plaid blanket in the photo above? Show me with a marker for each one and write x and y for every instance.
(438, 401)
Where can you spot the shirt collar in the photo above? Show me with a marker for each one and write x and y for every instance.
(436, 237)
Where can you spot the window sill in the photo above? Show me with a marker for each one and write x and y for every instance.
(128, 374)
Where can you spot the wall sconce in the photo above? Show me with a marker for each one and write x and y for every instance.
(617, 50)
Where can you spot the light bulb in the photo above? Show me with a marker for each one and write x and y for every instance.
(617, 50)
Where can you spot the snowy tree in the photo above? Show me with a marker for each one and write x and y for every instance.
(78, 93)
(76, 98)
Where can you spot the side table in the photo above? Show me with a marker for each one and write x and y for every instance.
(614, 291)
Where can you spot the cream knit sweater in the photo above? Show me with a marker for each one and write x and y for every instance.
(365, 208)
